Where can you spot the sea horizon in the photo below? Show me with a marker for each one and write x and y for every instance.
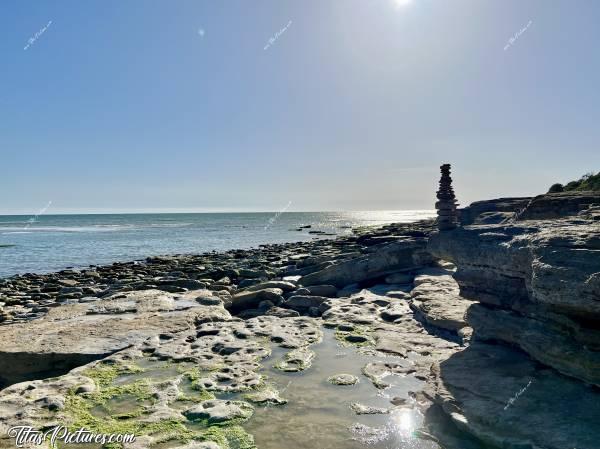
(220, 211)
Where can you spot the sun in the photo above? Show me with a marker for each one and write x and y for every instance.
(401, 3)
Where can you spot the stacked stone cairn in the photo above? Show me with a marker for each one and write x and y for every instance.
(446, 204)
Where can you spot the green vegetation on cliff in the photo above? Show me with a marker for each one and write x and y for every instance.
(589, 181)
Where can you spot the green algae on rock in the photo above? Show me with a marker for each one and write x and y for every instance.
(267, 395)
(343, 379)
(297, 360)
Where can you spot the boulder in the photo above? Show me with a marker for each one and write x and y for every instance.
(285, 286)
(402, 255)
(303, 303)
(329, 291)
(251, 299)
(361, 409)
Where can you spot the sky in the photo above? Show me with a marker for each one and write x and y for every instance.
(248, 105)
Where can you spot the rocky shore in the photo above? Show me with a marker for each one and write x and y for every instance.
(496, 323)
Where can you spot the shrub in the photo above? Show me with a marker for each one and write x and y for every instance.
(555, 188)
(589, 181)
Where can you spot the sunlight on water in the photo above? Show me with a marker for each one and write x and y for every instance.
(318, 414)
(403, 421)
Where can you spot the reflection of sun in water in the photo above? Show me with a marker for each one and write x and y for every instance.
(403, 421)
(400, 3)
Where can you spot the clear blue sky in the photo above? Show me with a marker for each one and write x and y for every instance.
(125, 105)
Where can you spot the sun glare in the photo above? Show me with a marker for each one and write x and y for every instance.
(403, 421)
(401, 3)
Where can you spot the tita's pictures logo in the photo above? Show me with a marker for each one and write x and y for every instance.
(28, 436)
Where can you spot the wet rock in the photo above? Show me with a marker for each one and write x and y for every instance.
(376, 372)
(218, 411)
(266, 396)
(356, 338)
(296, 360)
(343, 379)
(361, 409)
(368, 435)
(399, 401)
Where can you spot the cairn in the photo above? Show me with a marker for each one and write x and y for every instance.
(446, 204)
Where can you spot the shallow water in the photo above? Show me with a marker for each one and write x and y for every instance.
(318, 414)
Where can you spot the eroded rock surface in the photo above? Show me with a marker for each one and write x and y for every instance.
(540, 285)
(507, 400)
(75, 334)
(530, 376)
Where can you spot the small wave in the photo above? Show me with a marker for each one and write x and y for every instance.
(95, 228)
(169, 225)
(19, 222)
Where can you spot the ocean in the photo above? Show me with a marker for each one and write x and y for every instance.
(37, 244)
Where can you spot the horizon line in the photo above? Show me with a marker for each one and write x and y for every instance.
(217, 211)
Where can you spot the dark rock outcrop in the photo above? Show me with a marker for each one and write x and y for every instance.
(559, 205)
(492, 211)
(542, 207)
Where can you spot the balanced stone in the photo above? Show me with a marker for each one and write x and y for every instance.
(446, 204)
